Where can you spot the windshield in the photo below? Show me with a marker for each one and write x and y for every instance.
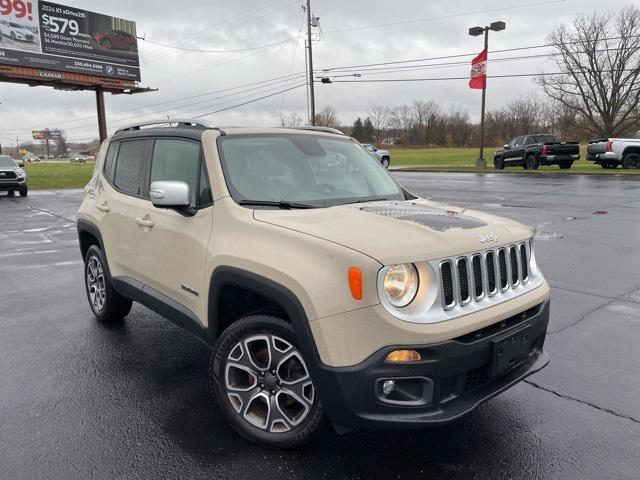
(7, 162)
(305, 169)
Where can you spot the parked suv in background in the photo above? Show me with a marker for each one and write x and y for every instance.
(531, 151)
(265, 244)
(12, 177)
(383, 156)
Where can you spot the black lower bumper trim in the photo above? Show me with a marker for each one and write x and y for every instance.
(461, 374)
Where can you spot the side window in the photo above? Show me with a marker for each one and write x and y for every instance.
(130, 167)
(519, 141)
(175, 159)
(110, 161)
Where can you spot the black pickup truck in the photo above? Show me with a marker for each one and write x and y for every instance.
(531, 151)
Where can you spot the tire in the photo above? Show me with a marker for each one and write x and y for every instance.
(531, 163)
(107, 44)
(13, 36)
(566, 165)
(385, 162)
(24, 191)
(242, 381)
(609, 166)
(498, 163)
(631, 160)
(107, 305)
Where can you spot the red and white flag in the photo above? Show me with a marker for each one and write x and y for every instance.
(479, 71)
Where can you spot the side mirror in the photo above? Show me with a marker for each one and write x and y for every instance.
(172, 194)
(507, 147)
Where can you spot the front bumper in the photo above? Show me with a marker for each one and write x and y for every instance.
(11, 185)
(457, 375)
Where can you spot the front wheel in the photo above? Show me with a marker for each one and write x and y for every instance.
(631, 160)
(565, 166)
(386, 163)
(498, 163)
(107, 305)
(262, 385)
(531, 163)
(23, 191)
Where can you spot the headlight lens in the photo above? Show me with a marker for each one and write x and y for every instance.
(401, 284)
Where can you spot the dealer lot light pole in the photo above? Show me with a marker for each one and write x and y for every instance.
(481, 163)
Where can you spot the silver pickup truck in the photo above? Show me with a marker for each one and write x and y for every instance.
(611, 152)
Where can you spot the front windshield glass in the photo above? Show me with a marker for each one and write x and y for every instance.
(7, 162)
(309, 169)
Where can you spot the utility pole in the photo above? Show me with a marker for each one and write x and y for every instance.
(312, 95)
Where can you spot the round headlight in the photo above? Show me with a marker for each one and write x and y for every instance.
(401, 284)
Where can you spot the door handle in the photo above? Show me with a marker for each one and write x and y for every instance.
(104, 207)
(144, 222)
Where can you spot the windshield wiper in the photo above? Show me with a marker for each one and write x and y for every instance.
(283, 204)
(366, 200)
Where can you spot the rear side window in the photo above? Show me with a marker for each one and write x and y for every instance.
(130, 168)
(177, 159)
(110, 162)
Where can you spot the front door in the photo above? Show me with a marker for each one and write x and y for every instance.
(172, 248)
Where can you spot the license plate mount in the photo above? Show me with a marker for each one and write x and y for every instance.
(510, 350)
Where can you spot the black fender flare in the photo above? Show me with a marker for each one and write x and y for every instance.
(83, 226)
(224, 276)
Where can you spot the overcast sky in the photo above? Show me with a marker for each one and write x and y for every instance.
(356, 32)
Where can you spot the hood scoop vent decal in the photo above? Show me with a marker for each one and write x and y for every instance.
(434, 218)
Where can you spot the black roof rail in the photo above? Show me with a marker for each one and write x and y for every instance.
(171, 123)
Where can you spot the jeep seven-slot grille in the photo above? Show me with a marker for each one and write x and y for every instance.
(481, 274)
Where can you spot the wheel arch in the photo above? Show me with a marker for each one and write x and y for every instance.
(631, 149)
(269, 294)
(89, 234)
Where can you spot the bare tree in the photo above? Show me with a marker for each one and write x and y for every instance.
(379, 116)
(290, 120)
(327, 118)
(599, 61)
(426, 118)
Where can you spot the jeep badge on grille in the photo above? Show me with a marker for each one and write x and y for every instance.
(487, 238)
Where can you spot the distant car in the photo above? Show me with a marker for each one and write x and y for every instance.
(383, 156)
(531, 151)
(611, 152)
(15, 31)
(78, 159)
(12, 177)
(30, 159)
(116, 40)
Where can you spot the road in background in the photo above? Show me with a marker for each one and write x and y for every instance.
(80, 399)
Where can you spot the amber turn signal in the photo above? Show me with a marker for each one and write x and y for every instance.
(355, 283)
(403, 356)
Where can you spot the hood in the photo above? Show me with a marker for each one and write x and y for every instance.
(22, 31)
(398, 232)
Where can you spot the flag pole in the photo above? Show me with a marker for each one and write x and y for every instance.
(481, 163)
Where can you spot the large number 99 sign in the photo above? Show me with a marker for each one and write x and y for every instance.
(19, 8)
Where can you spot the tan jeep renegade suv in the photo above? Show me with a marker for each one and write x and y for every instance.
(323, 288)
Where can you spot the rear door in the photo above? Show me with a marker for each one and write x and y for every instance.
(125, 172)
(172, 247)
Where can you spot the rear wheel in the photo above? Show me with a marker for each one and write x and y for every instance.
(566, 165)
(498, 163)
(107, 305)
(262, 385)
(107, 44)
(631, 160)
(531, 163)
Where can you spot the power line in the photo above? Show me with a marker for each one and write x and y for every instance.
(239, 50)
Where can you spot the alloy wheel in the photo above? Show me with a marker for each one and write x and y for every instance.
(268, 384)
(96, 284)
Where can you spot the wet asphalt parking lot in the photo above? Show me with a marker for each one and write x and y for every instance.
(82, 400)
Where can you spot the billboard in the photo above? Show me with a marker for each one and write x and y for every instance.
(46, 134)
(45, 35)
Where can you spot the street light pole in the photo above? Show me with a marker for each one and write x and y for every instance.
(481, 163)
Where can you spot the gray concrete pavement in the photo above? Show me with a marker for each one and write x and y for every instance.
(79, 399)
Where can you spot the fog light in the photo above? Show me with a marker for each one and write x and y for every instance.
(402, 356)
(388, 386)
